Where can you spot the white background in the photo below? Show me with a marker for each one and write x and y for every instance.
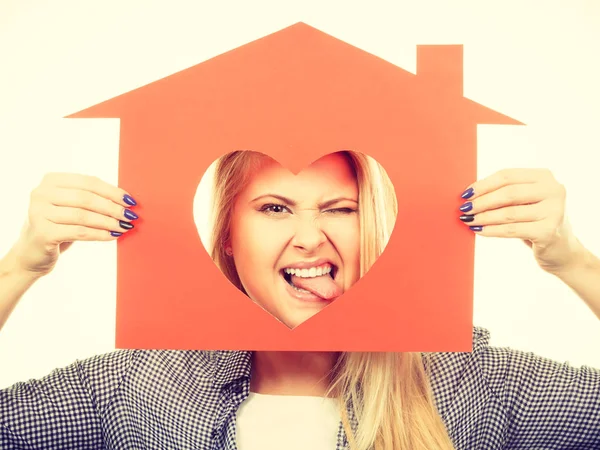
(536, 61)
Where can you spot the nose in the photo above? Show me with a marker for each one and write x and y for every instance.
(308, 235)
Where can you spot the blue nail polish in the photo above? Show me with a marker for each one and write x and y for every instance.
(115, 233)
(466, 207)
(129, 200)
(129, 214)
(476, 228)
(468, 193)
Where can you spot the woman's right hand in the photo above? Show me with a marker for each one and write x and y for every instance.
(65, 208)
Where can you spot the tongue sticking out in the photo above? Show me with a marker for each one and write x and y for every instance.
(322, 286)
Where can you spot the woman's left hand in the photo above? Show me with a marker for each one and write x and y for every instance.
(528, 204)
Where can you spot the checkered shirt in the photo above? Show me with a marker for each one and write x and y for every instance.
(491, 398)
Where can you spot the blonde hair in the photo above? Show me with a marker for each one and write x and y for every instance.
(387, 394)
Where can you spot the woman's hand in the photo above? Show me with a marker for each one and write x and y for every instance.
(66, 208)
(528, 204)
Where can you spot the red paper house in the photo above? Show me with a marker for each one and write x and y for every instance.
(297, 95)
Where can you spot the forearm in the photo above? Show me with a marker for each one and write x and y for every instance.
(13, 284)
(584, 279)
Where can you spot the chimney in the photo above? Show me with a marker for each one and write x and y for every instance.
(441, 66)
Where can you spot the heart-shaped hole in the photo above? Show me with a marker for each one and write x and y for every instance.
(294, 243)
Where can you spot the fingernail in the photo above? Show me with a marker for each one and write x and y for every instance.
(467, 218)
(115, 233)
(130, 214)
(466, 207)
(468, 193)
(129, 200)
(476, 228)
(126, 225)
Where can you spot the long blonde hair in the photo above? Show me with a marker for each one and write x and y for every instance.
(385, 398)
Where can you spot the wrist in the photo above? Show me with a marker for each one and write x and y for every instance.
(583, 260)
(10, 268)
(14, 282)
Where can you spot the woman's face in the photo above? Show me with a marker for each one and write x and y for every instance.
(296, 238)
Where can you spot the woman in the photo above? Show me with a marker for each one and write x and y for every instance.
(491, 398)
(281, 225)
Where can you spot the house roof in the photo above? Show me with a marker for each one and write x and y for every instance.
(302, 70)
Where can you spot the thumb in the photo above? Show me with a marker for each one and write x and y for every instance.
(64, 246)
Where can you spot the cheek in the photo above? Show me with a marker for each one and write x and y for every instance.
(256, 245)
(245, 242)
(345, 236)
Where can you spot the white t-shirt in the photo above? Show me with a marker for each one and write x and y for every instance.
(266, 422)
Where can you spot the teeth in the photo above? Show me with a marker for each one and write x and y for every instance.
(301, 290)
(309, 273)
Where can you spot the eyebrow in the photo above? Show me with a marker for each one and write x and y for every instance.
(293, 203)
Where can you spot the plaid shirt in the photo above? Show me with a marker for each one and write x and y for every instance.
(491, 398)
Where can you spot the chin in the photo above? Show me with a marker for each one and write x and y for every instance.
(293, 322)
(290, 317)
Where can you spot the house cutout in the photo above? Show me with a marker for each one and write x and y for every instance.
(296, 95)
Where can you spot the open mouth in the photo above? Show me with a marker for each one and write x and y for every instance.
(318, 280)
(328, 269)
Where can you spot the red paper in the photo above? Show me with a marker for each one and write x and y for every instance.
(296, 95)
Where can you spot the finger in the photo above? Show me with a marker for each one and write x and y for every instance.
(516, 194)
(506, 177)
(63, 215)
(56, 234)
(88, 183)
(77, 198)
(521, 213)
(532, 231)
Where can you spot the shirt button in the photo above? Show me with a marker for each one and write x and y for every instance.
(237, 389)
